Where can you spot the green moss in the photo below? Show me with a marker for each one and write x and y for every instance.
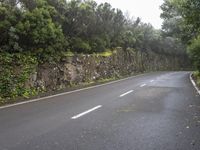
(105, 54)
(67, 54)
(15, 70)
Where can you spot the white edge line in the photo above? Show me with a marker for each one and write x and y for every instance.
(61, 94)
(86, 112)
(194, 84)
(126, 93)
(142, 85)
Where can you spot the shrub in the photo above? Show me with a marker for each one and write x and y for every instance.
(194, 52)
(15, 70)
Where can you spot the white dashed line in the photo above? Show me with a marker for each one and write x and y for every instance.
(142, 85)
(126, 93)
(65, 93)
(152, 81)
(86, 112)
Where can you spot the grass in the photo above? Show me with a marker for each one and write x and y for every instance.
(105, 54)
(196, 76)
(68, 54)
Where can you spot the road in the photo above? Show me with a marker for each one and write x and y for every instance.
(154, 111)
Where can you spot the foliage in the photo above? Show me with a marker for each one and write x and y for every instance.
(47, 27)
(9, 17)
(15, 70)
(30, 30)
(105, 54)
(187, 12)
(194, 51)
(39, 31)
(67, 54)
(196, 77)
(79, 45)
(190, 10)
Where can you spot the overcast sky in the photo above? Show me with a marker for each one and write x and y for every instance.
(148, 10)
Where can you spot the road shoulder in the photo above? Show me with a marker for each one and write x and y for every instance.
(194, 83)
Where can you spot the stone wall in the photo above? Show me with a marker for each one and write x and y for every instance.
(80, 69)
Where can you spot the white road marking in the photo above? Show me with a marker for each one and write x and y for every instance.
(126, 93)
(65, 93)
(86, 112)
(142, 85)
(152, 81)
(194, 84)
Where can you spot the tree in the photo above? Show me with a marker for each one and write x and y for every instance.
(30, 29)
(174, 24)
(194, 52)
(188, 12)
(9, 16)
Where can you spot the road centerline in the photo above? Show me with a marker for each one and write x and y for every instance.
(126, 93)
(142, 85)
(86, 112)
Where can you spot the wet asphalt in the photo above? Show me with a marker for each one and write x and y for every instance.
(154, 111)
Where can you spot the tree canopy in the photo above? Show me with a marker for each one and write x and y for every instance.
(182, 21)
(39, 32)
(48, 27)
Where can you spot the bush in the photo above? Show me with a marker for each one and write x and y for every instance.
(194, 52)
(15, 70)
(98, 44)
(80, 46)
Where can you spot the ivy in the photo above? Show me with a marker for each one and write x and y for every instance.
(15, 70)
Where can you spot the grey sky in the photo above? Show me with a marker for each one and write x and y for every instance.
(148, 10)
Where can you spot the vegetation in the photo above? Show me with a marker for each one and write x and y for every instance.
(182, 21)
(49, 27)
(14, 72)
(196, 76)
(38, 31)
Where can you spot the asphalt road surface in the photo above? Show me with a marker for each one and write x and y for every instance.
(154, 111)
